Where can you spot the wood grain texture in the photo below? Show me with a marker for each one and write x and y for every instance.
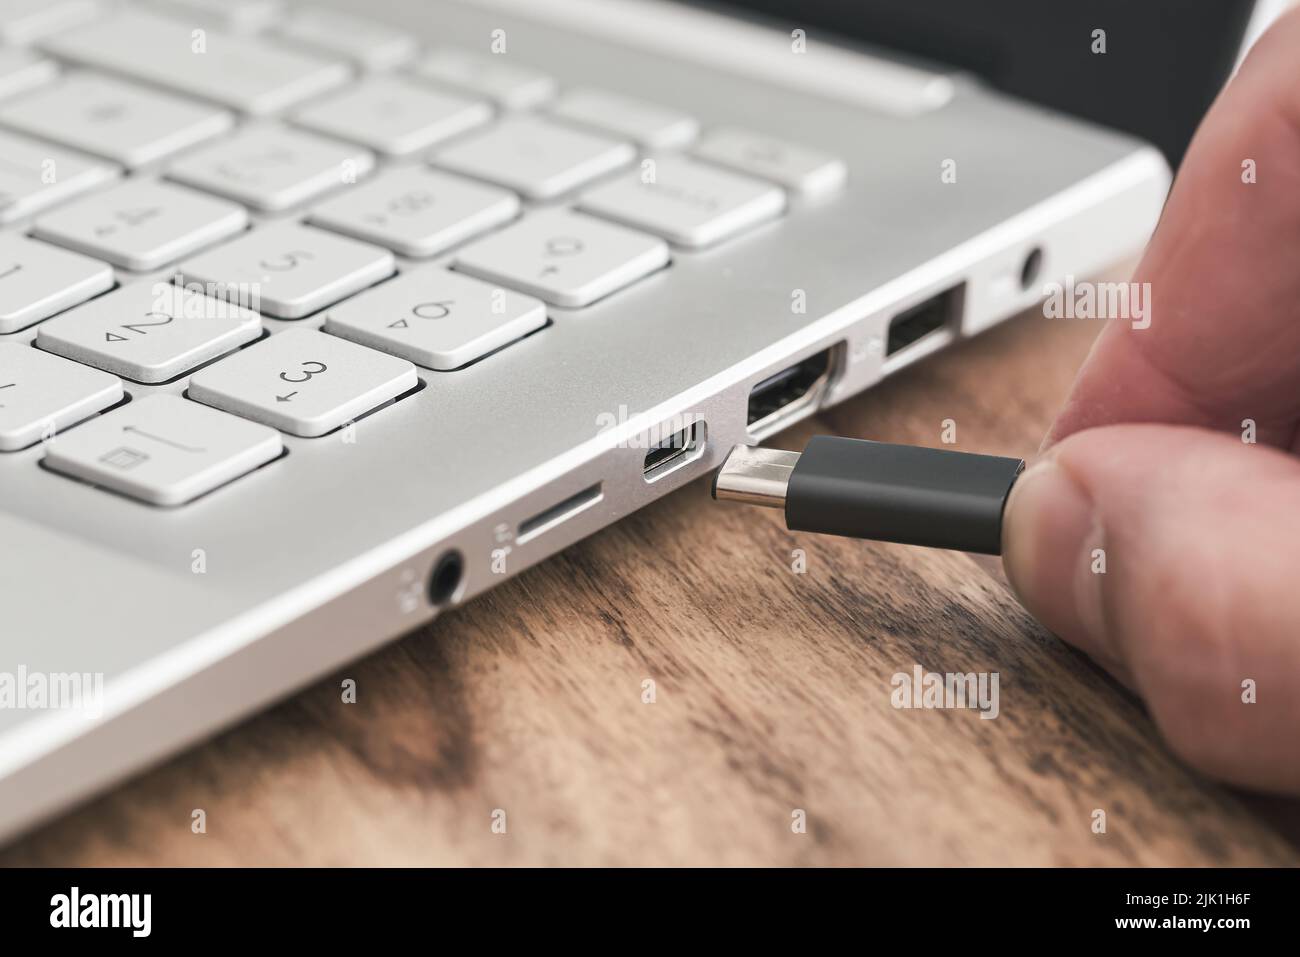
(772, 694)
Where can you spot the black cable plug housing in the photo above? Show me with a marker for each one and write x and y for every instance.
(901, 493)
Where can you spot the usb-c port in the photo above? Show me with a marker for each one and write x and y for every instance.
(674, 451)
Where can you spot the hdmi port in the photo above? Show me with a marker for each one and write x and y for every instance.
(781, 398)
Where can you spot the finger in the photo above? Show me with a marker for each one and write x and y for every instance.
(1170, 553)
(1223, 344)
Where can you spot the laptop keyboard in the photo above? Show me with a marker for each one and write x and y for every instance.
(280, 171)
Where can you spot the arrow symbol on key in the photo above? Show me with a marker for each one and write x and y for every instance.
(286, 398)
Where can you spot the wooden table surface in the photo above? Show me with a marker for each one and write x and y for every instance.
(771, 696)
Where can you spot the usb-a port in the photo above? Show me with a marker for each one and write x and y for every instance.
(925, 321)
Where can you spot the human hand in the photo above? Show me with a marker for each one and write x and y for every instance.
(1151, 461)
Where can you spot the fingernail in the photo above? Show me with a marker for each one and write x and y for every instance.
(1051, 535)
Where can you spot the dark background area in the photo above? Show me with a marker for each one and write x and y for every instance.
(1165, 59)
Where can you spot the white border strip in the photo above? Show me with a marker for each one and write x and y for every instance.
(736, 46)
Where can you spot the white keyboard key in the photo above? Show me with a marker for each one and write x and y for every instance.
(163, 450)
(21, 71)
(287, 270)
(41, 393)
(563, 257)
(369, 45)
(647, 124)
(34, 176)
(37, 280)
(394, 116)
(303, 382)
(417, 211)
(797, 168)
(23, 21)
(688, 203)
(149, 331)
(509, 84)
(539, 159)
(122, 122)
(246, 74)
(272, 168)
(237, 16)
(142, 224)
(436, 318)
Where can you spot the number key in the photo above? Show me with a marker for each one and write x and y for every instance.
(303, 382)
(142, 225)
(437, 318)
(37, 280)
(40, 393)
(805, 171)
(287, 270)
(417, 211)
(687, 203)
(272, 168)
(149, 332)
(564, 258)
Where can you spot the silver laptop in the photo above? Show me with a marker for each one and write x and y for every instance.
(317, 321)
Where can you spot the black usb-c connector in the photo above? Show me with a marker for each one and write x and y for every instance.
(891, 493)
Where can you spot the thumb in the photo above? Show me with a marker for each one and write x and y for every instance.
(1168, 554)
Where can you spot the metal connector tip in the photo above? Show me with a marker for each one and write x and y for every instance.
(755, 476)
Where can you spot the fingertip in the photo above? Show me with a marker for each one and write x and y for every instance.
(1053, 545)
